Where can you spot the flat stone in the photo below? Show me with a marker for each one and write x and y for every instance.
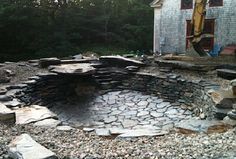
(7, 115)
(223, 98)
(163, 104)
(102, 132)
(226, 74)
(73, 69)
(88, 129)
(232, 114)
(120, 61)
(3, 91)
(118, 131)
(5, 98)
(129, 123)
(24, 147)
(52, 123)
(130, 104)
(141, 133)
(198, 126)
(45, 62)
(142, 113)
(171, 111)
(156, 114)
(220, 113)
(142, 103)
(13, 103)
(18, 86)
(64, 128)
(229, 121)
(32, 114)
(110, 119)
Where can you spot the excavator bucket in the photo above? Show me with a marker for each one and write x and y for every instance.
(199, 49)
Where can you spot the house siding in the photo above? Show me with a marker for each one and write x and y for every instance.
(170, 25)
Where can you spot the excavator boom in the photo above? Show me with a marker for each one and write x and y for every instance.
(197, 23)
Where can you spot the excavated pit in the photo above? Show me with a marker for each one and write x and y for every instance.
(117, 97)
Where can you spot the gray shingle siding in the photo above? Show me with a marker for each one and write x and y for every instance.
(172, 27)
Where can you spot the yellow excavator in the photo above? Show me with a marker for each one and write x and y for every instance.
(197, 26)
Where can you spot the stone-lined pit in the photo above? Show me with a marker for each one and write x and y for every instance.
(117, 96)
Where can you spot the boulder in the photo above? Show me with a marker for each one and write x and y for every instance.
(33, 114)
(202, 126)
(120, 61)
(7, 115)
(24, 147)
(73, 69)
(223, 99)
(45, 62)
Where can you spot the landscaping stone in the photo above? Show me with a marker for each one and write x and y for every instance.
(64, 128)
(45, 62)
(226, 74)
(73, 69)
(102, 132)
(52, 123)
(223, 99)
(32, 114)
(13, 103)
(229, 121)
(198, 126)
(5, 98)
(232, 114)
(141, 133)
(24, 147)
(120, 61)
(7, 115)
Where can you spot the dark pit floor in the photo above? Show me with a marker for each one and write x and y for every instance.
(121, 109)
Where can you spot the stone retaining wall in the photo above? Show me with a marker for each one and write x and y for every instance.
(170, 87)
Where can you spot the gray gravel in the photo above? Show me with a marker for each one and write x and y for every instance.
(77, 144)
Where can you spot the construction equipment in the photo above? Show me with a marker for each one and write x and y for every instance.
(197, 26)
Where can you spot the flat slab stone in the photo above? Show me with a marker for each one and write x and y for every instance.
(102, 132)
(73, 69)
(64, 128)
(45, 62)
(198, 126)
(129, 123)
(120, 61)
(33, 114)
(13, 103)
(226, 74)
(24, 147)
(7, 115)
(48, 123)
(141, 133)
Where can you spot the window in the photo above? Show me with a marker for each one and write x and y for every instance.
(209, 28)
(186, 4)
(215, 3)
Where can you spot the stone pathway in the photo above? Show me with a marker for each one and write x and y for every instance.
(124, 110)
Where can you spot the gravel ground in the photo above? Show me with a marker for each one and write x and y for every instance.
(21, 71)
(77, 144)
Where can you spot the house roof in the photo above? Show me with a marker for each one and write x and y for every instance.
(156, 3)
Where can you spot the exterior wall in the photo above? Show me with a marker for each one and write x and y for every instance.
(173, 25)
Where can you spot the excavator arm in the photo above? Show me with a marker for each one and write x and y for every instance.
(197, 26)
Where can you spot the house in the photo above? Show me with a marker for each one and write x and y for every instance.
(172, 24)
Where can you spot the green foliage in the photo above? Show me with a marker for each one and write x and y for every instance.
(61, 27)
